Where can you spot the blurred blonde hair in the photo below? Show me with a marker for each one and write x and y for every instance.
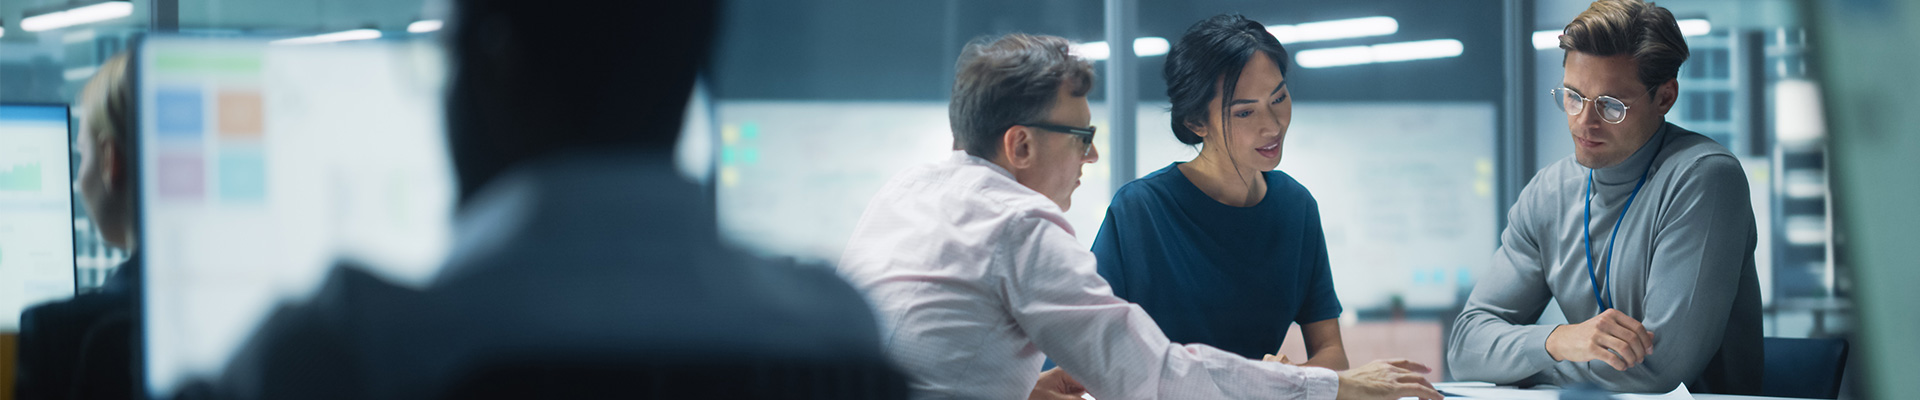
(105, 102)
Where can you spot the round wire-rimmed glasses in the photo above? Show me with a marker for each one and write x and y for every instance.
(1611, 109)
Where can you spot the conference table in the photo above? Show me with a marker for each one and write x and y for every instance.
(1739, 397)
(1485, 391)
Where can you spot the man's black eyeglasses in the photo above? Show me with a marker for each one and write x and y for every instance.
(1085, 134)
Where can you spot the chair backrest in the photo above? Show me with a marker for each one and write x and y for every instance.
(1804, 368)
(582, 379)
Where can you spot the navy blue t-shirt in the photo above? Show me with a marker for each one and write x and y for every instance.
(1229, 277)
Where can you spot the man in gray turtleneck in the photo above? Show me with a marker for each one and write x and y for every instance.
(1645, 234)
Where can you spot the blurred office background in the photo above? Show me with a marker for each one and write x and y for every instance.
(1416, 122)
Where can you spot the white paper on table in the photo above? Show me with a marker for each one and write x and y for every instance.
(1678, 393)
(1462, 384)
(1493, 393)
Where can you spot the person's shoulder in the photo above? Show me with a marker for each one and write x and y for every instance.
(1680, 140)
(1566, 167)
(1284, 193)
(969, 191)
(1553, 186)
(825, 296)
(990, 190)
(1686, 146)
(347, 294)
(1149, 188)
(814, 313)
(1549, 180)
(956, 181)
(1160, 177)
(958, 170)
(316, 336)
(810, 279)
(1699, 157)
(1281, 183)
(918, 173)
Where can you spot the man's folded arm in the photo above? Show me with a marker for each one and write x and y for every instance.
(1495, 338)
(1698, 256)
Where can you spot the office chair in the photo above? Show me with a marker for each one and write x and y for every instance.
(1805, 368)
(579, 379)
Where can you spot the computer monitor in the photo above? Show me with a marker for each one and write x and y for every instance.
(261, 165)
(36, 208)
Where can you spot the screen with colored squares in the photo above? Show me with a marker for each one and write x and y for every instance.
(262, 165)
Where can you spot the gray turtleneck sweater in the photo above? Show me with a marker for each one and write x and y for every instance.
(1684, 269)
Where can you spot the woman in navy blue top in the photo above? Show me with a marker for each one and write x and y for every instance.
(1224, 250)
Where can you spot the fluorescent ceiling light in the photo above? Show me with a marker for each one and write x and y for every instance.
(1543, 40)
(1151, 46)
(78, 15)
(1333, 57)
(1335, 29)
(341, 36)
(424, 26)
(1695, 27)
(1143, 47)
(1379, 53)
(1421, 50)
(1092, 51)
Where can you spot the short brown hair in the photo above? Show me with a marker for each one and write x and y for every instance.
(1642, 29)
(1008, 81)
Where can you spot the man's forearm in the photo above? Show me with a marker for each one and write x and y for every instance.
(1488, 348)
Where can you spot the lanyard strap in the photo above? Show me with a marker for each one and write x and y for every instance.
(1606, 303)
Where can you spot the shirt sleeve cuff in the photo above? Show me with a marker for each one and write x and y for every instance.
(1320, 383)
(1536, 351)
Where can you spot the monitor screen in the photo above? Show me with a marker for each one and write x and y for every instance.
(264, 164)
(36, 209)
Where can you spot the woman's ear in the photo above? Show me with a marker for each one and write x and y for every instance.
(112, 170)
(1017, 147)
(1197, 128)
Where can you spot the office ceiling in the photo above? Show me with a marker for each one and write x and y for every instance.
(244, 15)
(858, 49)
(901, 50)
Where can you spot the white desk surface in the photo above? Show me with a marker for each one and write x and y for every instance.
(1467, 391)
(1708, 396)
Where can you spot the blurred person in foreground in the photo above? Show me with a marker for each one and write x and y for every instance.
(1645, 235)
(583, 265)
(977, 276)
(83, 347)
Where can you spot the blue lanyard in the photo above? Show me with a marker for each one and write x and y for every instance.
(1606, 303)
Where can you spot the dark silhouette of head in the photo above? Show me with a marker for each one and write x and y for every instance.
(529, 78)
